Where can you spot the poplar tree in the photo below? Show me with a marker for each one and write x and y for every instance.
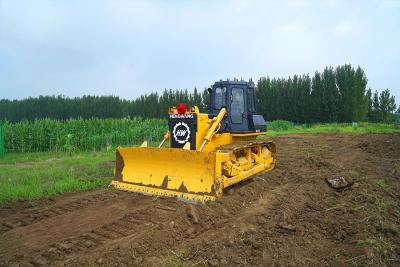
(387, 105)
(316, 98)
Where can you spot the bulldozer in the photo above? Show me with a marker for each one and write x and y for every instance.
(207, 152)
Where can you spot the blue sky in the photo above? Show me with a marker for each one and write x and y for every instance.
(128, 48)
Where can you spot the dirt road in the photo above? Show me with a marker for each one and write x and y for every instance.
(288, 216)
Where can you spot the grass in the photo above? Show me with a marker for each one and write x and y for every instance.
(34, 175)
(381, 183)
(279, 127)
(366, 243)
(174, 260)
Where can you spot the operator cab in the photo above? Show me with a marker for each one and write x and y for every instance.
(238, 97)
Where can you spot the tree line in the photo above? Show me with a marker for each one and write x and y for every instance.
(333, 95)
(152, 105)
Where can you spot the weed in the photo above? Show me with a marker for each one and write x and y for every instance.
(366, 243)
(174, 260)
(358, 208)
(381, 183)
(351, 173)
(379, 204)
(155, 198)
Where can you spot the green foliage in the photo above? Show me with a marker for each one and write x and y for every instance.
(69, 143)
(387, 105)
(381, 183)
(1, 139)
(80, 134)
(335, 95)
(382, 107)
(366, 243)
(152, 105)
(107, 134)
(280, 125)
(345, 128)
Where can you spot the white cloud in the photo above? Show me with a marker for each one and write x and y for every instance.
(344, 29)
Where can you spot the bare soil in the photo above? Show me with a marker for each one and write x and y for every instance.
(289, 216)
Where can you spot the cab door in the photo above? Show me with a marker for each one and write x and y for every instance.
(238, 113)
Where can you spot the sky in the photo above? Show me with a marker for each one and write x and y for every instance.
(130, 48)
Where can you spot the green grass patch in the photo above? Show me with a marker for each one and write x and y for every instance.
(174, 260)
(366, 243)
(381, 183)
(34, 175)
(377, 202)
(280, 127)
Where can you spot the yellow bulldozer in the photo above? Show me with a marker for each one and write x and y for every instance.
(207, 151)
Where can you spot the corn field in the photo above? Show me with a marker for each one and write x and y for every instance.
(80, 134)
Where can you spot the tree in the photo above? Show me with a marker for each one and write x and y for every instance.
(344, 82)
(370, 113)
(317, 98)
(330, 96)
(359, 101)
(352, 88)
(387, 105)
(375, 107)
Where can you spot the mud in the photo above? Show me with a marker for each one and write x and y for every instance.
(288, 216)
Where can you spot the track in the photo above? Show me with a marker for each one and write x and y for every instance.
(246, 144)
(285, 216)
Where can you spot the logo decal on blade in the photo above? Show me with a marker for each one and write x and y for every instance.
(181, 132)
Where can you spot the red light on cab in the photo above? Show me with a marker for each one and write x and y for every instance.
(181, 108)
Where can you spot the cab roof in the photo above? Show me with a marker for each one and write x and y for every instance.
(230, 83)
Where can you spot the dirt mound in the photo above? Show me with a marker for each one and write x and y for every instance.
(289, 216)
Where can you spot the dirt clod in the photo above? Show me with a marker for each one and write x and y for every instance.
(339, 183)
(287, 227)
(193, 215)
(190, 230)
(213, 262)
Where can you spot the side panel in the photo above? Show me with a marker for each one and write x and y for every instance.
(183, 128)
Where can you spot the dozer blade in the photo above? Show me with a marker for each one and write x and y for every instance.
(172, 172)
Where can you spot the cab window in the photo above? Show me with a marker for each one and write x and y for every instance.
(220, 97)
(250, 100)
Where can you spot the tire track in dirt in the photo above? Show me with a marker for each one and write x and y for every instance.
(136, 221)
(69, 248)
(34, 216)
